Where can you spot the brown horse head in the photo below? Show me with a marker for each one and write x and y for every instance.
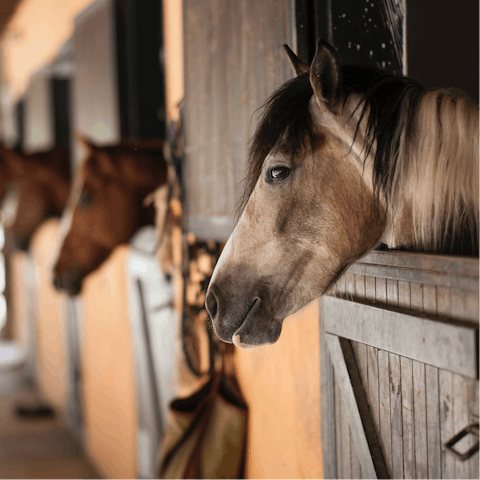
(106, 206)
(41, 182)
(330, 176)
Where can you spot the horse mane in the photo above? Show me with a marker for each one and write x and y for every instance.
(437, 172)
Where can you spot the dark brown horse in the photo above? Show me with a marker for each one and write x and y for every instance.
(344, 159)
(106, 206)
(40, 183)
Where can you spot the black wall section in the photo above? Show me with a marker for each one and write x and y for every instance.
(365, 32)
(20, 124)
(442, 41)
(61, 106)
(140, 68)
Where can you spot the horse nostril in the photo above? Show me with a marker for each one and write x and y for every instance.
(211, 304)
(56, 280)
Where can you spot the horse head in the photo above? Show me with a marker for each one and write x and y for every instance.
(341, 161)
(39, 186)
(106, 207)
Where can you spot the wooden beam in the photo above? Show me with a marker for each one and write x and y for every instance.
(448, 346)
(361, 425)
(327, 399)
(216, 228)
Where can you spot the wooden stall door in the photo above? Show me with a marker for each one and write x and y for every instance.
(108, 370)
(50, 320)
(400, 367)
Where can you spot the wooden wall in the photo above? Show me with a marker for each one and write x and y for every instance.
(420, 397)
(108, 370)
(233, 61)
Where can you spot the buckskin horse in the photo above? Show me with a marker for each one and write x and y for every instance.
(40, 183)
(343, 159)
(106, 206)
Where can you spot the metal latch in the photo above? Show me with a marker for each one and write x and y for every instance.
(474, 430)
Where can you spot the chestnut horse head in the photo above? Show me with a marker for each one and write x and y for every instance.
(106, 206)
(343, 159)
(41, 184)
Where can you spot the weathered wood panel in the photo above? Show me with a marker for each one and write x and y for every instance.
(420, 404)
(233, 61)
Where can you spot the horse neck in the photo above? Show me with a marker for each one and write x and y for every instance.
(435, 197)
(57, 191)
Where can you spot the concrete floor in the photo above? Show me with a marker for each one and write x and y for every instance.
(37, 448)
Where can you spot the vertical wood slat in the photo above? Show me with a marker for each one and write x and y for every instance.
(396, 419)
(420, 419)
(346, 471)
(433, 422)
(446, 421)
(384, 397)
(328, 408)
(396, 415)
(338, 430)
(460, 421)
(406, 375)
(406, 368)
(445, 380)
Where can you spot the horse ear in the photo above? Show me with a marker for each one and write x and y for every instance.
(88, 144)
(325, 74)
(298, 66)
(15, 162)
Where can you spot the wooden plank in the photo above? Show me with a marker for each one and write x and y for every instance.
(447, 428)
(350, 285)
(218, 228)
(372, 391)
(338, 431)
(360, 286)
(429, 299)
(406, 369)
(460, 421)
(453, 265)
(396, 415)
(341, 287)
(416, 296)
(412, 275)
(420, 417)
(356, 471)
(361, 424)
(440, 344)
(385, 431)
(433, 422)
(345, 471)
(370, 288)
(392, 291)
(327, 399)
(381, 290)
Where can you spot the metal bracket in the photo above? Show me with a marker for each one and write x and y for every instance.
(473, 428)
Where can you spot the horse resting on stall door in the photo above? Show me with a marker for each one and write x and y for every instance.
(39, 185)
(106, 206)
(344, 158)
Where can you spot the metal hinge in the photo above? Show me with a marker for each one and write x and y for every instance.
(474, 430)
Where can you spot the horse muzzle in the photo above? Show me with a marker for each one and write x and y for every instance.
(246, 321)
(70, 281)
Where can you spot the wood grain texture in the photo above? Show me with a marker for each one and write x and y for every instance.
(233, 61)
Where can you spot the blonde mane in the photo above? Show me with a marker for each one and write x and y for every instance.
(437, 174)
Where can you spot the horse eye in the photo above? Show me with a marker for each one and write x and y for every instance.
(279, 173)
(85, 199)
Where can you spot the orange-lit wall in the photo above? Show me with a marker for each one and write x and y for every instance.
(109, 394)
(281, 384)
(33, 37)
(173, 38)
(50, 320)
